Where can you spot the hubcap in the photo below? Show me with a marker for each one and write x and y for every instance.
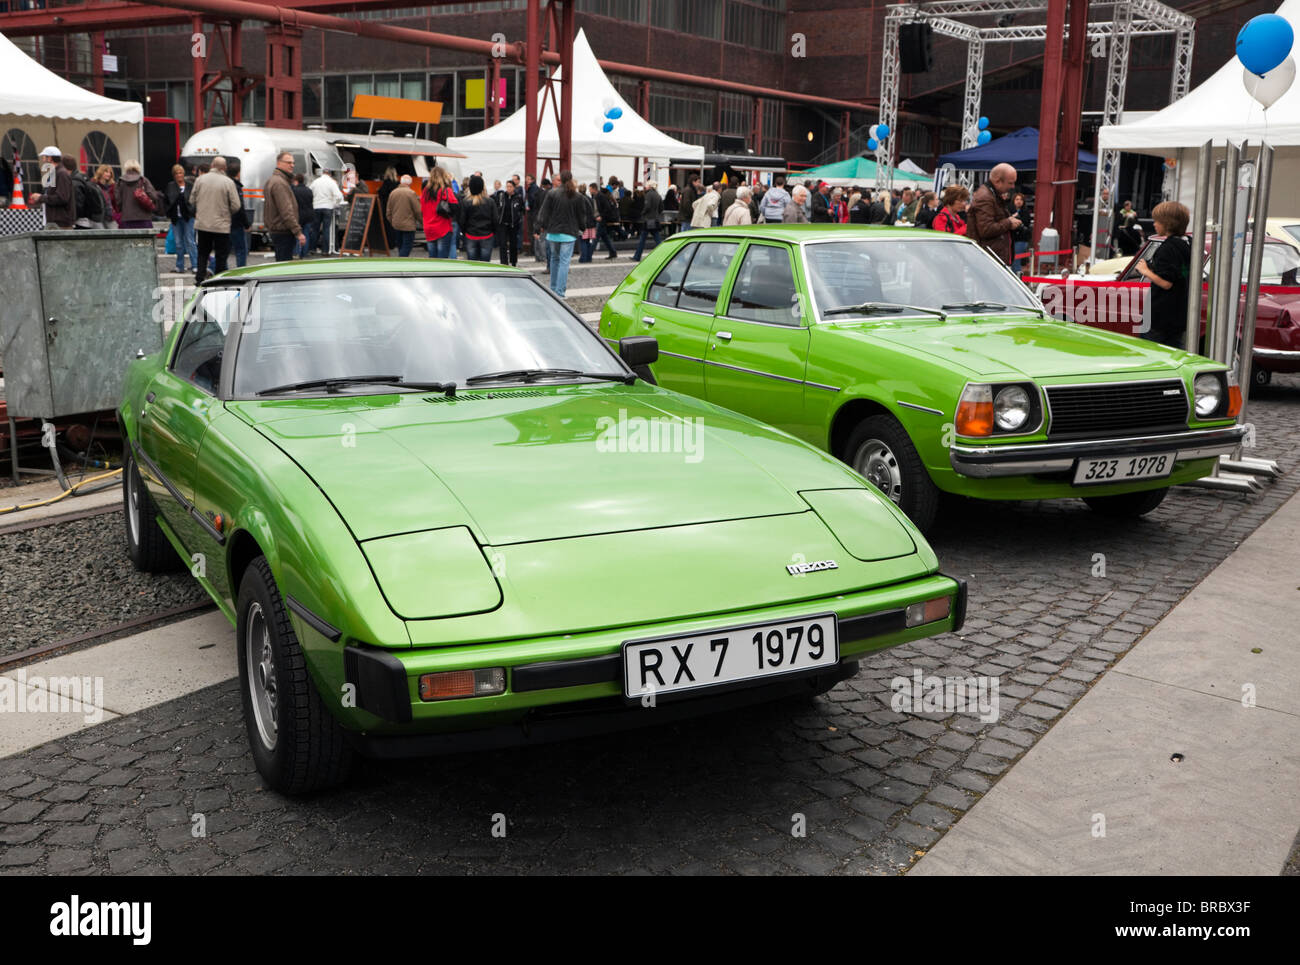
(263, 688)
(133, 505)
(878, 465)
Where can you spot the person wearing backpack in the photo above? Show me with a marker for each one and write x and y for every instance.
(89, 201)
(137, 199)
(775, 200)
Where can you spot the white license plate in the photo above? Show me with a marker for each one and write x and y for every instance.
(696, 660)
(1090, 472)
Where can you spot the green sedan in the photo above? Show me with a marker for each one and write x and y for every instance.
(442, 515)
(922, 362)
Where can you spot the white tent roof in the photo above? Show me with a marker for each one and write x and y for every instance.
(499, 150)
(28, 89)
(1218, 109)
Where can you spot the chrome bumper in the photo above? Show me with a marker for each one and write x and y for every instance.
(985, 462)
(1275, 353)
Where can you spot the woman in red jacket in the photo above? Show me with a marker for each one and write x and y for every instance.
(949, 217)
(437, 227)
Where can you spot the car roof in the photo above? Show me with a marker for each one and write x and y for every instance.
(366, 266)
(797, 233)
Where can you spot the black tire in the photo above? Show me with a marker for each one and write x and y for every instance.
(1260, 378)
(307, 750)
(146, 544)
(880, 451)
(1128, 505)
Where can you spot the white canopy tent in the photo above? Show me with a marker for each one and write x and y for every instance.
(52, 111)
(499, 151)
(1218, 110)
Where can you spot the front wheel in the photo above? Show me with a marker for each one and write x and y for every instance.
(881, 452)
(1127, 505)
(297, 744)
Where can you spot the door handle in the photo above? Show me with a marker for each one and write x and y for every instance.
(725, 336)
(647, 320)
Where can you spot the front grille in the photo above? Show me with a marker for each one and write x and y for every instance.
(1117, 409)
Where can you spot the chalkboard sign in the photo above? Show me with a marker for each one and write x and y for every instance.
(365, 227)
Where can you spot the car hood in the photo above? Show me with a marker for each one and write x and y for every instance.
(1028, 347)
(541, 463)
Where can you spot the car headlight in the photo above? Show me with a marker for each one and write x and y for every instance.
(1011, 408)
(1208, 389)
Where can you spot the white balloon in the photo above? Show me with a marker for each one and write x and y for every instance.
(1268, 88)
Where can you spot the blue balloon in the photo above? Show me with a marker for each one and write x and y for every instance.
(984, 137)
(1264, 43)
(984, 123)
(607, 126)
(882, 131)
(614, 113)
(872, 144)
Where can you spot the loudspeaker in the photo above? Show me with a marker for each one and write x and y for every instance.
(914, 53)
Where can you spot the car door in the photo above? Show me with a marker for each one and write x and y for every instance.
(180, 404)
(758, 353)
(678, 311)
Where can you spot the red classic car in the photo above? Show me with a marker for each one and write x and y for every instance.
(1118, 303)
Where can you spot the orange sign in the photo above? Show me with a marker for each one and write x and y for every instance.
(396, 109)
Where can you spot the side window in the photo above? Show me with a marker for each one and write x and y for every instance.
(198, 356)
(764, 290)
(663, 290)
(704, 278)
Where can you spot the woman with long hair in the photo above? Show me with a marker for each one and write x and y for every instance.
(104, 181)
(563, 217)
(950, 217)
(478, 221)
(928, 208)
(389, 184)
(438, 206)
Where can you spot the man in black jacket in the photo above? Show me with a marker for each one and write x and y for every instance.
(510, 204)
(821, 204)
(306, 210)
(606, 216)
(650, 215)
(238, 220)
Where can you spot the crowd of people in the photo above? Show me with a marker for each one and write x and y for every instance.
(210, 223)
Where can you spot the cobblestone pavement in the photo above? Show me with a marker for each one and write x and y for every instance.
(874, 788)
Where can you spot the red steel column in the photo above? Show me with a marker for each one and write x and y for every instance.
(493, 104)
(235, 65)
(198, 63)
(565, 120)
(1058, 118)
(97, 61)
(532, 63)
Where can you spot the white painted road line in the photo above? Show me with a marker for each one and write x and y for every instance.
(136, 672)
(1229, 808)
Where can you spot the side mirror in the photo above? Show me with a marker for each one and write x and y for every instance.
(638, 350)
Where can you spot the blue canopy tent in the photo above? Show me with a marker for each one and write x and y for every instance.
(1019, 149)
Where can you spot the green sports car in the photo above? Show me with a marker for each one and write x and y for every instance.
(442, 514)
(923, 363)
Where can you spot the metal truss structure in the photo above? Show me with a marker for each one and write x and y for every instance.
(981, 22)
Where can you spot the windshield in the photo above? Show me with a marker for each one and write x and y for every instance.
(420, 328)
(925, 274)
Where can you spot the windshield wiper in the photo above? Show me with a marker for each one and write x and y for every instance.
(883, 308)
(532, 375)
(994, 307)
(332, 384)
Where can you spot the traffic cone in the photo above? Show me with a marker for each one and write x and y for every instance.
(17, 203)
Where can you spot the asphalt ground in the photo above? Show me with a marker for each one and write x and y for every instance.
(839, 785)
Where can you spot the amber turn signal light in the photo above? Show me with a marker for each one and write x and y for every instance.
(929, 611)
(975, 411)
(452, 684)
